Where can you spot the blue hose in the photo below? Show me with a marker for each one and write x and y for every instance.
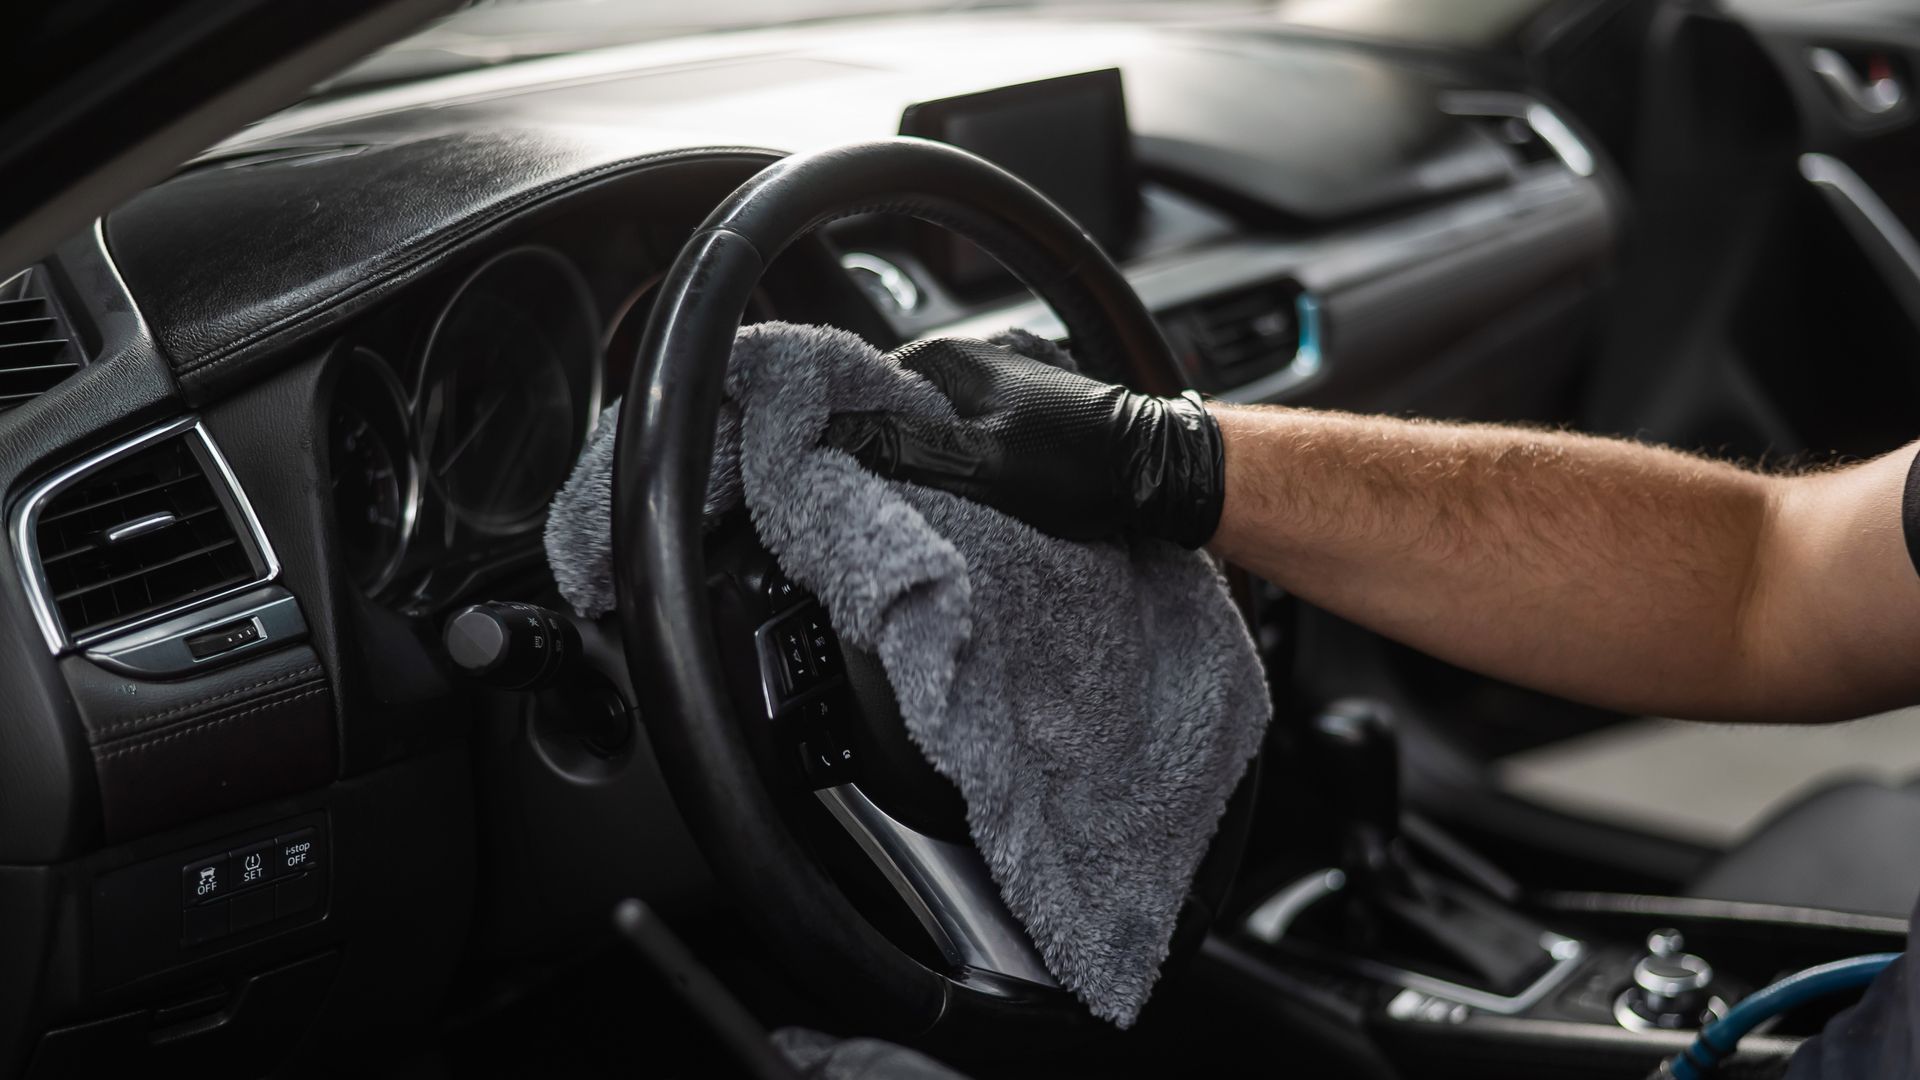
(1718, 1039)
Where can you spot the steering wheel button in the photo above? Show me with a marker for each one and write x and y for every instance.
(822, 647)
(793, 660)
(828, 761)
(781, 592)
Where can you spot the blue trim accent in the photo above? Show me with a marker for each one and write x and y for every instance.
(1307, 356)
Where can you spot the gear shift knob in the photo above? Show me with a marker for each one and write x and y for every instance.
(1360, 755)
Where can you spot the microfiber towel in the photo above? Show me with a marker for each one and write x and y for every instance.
(1095, 704)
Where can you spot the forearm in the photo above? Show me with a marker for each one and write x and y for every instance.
(1610, 572)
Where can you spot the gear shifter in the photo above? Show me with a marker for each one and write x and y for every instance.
(1397, 911)
(1361, 761)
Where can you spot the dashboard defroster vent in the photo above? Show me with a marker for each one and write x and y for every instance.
(36, 348)
(147, 528)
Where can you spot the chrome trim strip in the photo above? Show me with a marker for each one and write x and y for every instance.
(1572, 152)
(1566, 952)
(1623, 1014)
(161, 651)
(1832, 174)
(26, 547)
(895, 281)
(1270, 921)
(141, 526)
(1873, 99)
(947, 886)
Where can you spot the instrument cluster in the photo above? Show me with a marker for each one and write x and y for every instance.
(455, 420)
(442, 462)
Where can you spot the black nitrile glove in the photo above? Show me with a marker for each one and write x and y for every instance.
(1079, 459)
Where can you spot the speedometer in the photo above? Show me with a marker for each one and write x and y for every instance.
(510, 386)
(375, 489)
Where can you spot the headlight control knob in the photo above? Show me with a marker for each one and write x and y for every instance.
(510, 645)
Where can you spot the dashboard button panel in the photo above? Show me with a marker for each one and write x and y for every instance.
(260, 881)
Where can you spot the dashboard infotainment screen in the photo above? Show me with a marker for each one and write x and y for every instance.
(1066, 136)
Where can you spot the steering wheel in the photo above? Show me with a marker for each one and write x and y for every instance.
(699, 689)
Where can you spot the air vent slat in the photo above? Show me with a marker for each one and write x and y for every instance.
(139, 572)
(95, 584)
(20, 331)
(116, 497)
(15, 355)
(36, 350)
(50, 560)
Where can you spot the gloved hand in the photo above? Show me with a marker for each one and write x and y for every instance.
(1079, 459)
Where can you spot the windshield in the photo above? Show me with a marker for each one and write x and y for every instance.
(498, 31)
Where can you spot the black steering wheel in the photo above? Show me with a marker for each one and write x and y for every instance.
(737, 799)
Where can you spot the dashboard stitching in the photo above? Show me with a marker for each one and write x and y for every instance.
(208, 725)
(272, 696)
(100, 734)
(409, 261)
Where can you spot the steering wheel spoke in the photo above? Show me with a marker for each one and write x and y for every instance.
(946, 885)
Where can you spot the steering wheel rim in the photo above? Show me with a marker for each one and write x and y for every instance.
(663, 457)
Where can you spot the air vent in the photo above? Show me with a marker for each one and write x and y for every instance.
(149, 527)
(36, 350)
(1225, 341)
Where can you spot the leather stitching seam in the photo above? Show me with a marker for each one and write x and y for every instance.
(102, 734)
(203, 726)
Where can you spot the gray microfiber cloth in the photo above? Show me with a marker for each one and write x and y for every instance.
(1095, 704)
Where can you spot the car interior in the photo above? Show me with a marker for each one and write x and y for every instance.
(307, 769)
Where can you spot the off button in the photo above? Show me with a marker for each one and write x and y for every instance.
(298, 852)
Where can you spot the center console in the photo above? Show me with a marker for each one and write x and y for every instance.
(1408, 954)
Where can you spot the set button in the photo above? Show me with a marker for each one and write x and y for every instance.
(254, 865)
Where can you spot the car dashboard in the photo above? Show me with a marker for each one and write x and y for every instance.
(320, 386)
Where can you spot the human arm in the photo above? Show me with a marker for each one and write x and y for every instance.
(1612, 572)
